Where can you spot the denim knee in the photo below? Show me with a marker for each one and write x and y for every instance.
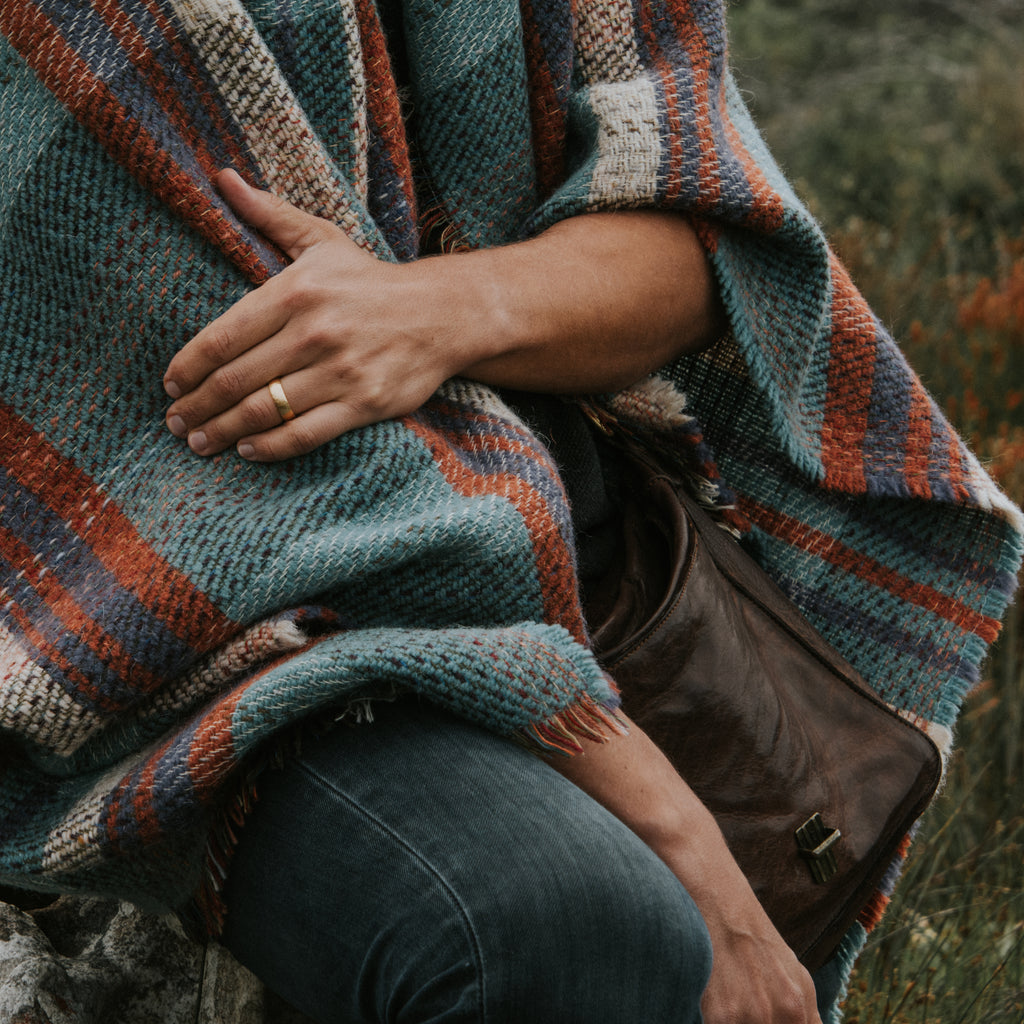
(606, 934)
(612, 949)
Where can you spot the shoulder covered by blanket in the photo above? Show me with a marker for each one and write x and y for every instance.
(165, 615)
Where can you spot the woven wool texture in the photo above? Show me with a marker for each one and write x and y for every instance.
(165, 616)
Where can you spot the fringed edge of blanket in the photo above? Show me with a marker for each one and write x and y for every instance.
(564, 731)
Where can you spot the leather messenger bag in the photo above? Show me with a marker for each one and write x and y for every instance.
(812, 778)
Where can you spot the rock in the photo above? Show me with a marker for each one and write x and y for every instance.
(79, 960)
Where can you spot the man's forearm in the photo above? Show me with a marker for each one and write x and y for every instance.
(756, 978)
(592, 304)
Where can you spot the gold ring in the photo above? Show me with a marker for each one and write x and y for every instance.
(284, 410)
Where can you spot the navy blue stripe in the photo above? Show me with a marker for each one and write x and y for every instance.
(529, 466)
(95, 588)
(885, 439)
(22, 596)
(829, 614)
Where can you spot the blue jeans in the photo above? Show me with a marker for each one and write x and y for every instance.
(422, 869)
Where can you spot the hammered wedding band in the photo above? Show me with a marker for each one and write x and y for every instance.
(284, 410)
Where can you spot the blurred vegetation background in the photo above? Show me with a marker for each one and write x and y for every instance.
(902, 127)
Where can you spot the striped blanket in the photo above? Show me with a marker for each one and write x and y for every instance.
(164, 616)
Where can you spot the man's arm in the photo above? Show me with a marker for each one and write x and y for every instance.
(755, 978)
(592, 304)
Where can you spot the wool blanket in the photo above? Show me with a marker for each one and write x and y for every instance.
(165, 617)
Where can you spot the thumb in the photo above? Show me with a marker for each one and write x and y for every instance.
(288, 227)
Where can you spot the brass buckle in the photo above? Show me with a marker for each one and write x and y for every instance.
(816, 844)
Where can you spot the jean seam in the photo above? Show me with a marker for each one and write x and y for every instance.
(422, 860)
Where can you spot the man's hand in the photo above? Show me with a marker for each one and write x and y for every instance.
(353, 340)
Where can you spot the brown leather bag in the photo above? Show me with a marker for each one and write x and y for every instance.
(812, 778)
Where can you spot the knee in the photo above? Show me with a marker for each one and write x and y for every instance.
(608, 935)
(589, 931)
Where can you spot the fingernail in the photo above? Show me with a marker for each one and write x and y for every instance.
(197, 442)
(176, 425)
(172, 389)
(247, 451)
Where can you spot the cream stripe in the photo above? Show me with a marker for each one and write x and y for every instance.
(284, 145)
(628, 143)
(605, 48)
(80, 836)
(34, 705)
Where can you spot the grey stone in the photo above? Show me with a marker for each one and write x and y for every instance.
(90, 961)
(231, 995)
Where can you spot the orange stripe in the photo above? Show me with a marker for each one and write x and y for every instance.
(110, 824)
(674, 181)
(850, 378)
(547, 117)
(212, 751)
(768, 210)
(917, 456)
(873, 911)
(552, 558)
(382, 96)
(832, 551)
(699, 54)
(93, 516)
(107, 649)
(956, 469)
(70, 672)
(673, 184)
(142, 801)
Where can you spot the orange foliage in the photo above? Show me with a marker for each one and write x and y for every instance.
(997, 307)
(986, 348)
(1004, 459)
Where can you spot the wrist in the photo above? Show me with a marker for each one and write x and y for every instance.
(471, 303)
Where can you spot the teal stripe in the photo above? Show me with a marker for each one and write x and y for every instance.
(908, 536)
(545, 669)
(472, 113)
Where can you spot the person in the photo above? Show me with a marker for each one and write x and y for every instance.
(354, 340)
(342, 509)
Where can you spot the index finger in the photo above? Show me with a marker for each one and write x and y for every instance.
(251, 320)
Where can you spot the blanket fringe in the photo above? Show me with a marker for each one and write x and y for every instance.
(204, 915)
(565, 730)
